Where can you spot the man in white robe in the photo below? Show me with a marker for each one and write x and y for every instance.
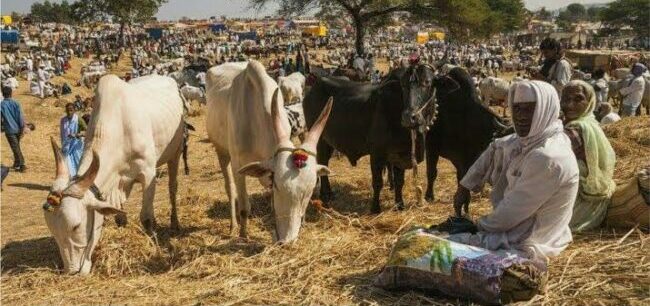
(534, 177)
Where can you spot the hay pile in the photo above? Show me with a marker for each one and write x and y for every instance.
(333, 262)
(630, 139)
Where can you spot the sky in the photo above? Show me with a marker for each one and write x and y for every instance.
(175, 9)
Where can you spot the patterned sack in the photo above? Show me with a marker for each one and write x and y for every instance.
(422, 260)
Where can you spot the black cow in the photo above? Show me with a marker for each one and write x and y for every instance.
(462, 131)
(366, 119)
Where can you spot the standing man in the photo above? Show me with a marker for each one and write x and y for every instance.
(41, 75)
(13, 123)
(633, 93)
(556, 70)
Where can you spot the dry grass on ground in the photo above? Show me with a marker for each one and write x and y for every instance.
(334, 261)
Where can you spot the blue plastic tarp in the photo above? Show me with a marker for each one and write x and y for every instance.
(155, 33)
(9, 36)
(247, 35)
(218, 27)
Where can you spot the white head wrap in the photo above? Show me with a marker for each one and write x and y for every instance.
(546, 122)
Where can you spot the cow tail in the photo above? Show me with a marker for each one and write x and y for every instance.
(186, 135)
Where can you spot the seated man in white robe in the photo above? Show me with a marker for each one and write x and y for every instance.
(534, 177)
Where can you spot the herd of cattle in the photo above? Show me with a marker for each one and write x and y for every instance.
(251, 121)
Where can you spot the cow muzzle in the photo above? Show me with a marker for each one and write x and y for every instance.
(411, 119)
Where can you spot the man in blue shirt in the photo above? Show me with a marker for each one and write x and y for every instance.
(13, 124)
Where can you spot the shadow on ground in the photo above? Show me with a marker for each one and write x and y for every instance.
(30, 186)
(20, 256)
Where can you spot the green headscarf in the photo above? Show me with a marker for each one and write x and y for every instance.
(596, 176)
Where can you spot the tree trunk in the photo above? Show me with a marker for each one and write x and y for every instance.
(122, 25)
(359, 33)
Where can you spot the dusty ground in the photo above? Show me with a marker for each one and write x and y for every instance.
(334, 262)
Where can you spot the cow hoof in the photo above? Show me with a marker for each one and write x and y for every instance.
(149, 226)
(327, 197)
(376, 209)
(121, 220)
(175, 227)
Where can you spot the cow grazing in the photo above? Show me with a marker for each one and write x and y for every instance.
(367, 120)
(192, 93)
(249, 129)
(462, 130)
(494, 90)
(135, 127)
(292, 87)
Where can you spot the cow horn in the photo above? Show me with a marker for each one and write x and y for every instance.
(280, 134)
(317, 129)
(61, 168)
(88, 178)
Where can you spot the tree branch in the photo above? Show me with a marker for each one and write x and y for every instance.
(347, 6)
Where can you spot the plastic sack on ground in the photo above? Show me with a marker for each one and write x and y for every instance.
(422, 260)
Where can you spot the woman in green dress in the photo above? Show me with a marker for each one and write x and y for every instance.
(594, 153)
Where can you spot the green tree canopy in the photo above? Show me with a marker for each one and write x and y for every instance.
(632, 13)
(52, 12)
(573, 13)
(124, 12)
(543, 14)
(463, 18)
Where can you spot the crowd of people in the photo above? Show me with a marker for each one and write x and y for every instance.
(552, 176)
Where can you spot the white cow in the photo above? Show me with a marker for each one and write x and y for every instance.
(135, 127)
(494, 90)
(249, 129)
(191, 93)
(292, 87)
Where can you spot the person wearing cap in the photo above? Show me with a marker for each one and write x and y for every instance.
(13, 124)
(606, 114)
(555, 70)
(534, 176)
(633, 93)
(595, 155)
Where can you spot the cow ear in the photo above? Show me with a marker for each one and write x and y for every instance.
(256, 169)
(104, 209)
(322, 170)
(453, 85)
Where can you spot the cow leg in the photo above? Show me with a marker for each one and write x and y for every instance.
(172, 167)
(226, 170)
(398, 176)
(432, 173)
(243, 205)
(147, 217)
(323, 158)
(461, 192)
(120, 218)
(377, 164)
